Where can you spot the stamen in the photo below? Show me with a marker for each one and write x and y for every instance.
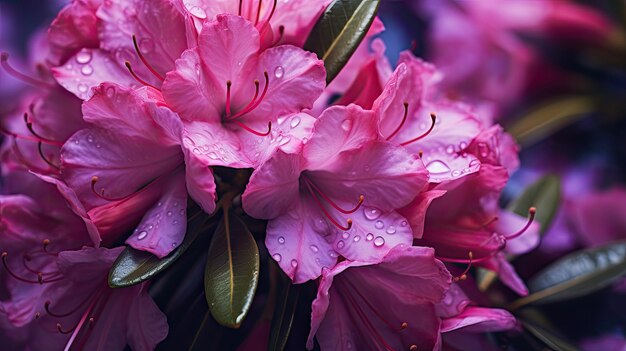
(101, 195)
(62, 315)
(333, 204)
(14, 275)
(29, 138)
(406, 112)
(141, 81)
(321, 206)
(228, 84)
(22, 160)
(433, 118)
(4, 58)
(237, 115)
(258, 12)
(29, 125)
(242, 125)
(60, 329)
(470, 260)
(254, 105)
(80, 324)
(240, 7)
(463, 275)
(43, 157)
(145, 62)
(272, 12)
(531, 218)
(46, 243)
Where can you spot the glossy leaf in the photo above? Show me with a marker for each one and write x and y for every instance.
(549, 338)
(339, 31)
(134, 266)
(232, 271)
(549, 118)
(282, 318)
(578, 274)
(545, 195)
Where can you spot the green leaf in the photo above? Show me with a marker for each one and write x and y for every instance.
(232, 271)
(549, 338)
(550, 117)
(339, 31)
(134, 266)
(575, 275)
(282, 318)
(545, 195)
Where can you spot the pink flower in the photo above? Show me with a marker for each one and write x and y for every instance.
(160, 29)
(74, 28)
(234, 104)
(313, 197)
(385, 306)
(128, 170)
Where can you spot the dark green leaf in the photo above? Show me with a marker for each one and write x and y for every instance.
(339, 31)
(133, 266)
(232, 271)
(282, 318)
(577, 274)
(550, 117)
(549, 338)
(545, 195)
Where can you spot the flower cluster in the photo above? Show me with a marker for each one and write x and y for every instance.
(373, 186)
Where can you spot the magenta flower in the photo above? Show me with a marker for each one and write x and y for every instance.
(389, 305)
(233, 104)
(313, 198)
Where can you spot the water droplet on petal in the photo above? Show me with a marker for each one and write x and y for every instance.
(212, 155)
(437, 167)
(277, 257)
(379, 224)
(345, 235)
(90, 138)
(333, 254)
(281, 240)
(314, 248)
(174, 244)
(294, 263)
(295, 122)
(356, 238)
(83, 56)
(198, 12)
(279, 72)
(369, 237)
(146, 45)
(404, 223)
(371, 213)
(196, 151)
(450, 149)
(110, 92)
(169, 213)
(175, 222)
(82, 87)
(142, 234)
(456, 173)
(76, 141)
(86, 70)
(346, 125)
(391, 230)
(379, 241)
(341, 244)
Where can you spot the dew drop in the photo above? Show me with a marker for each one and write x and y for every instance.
(345, 235)
(332, 254)
(450, 149)
(175, 222)
(371, 213)
(404, 224)
(90, 138)
(110, 92)
(146, 45)
(356, 238)
(474, 163)
(279, 72)
(160, 204)
(284, 141)
(196, 151)
(76, 141)
(379, 241)
(295, 121)
(369, 237)
(174, 244)
(346, 125)
(169, 213)
(391, 230)
(314, 248)
(83, 56)
(341, 244)
(142, 234)
(281, 240)
(437, 167)
(212, 155)
(86, 70)
(277, 257)
(379, 224)
(294, 263)
(456, 173)
(462, 145)
(82, 87)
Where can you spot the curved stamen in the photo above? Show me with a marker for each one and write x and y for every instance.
(239, 114)
(463, 275)
(141, 81)
(330, 218)
(269, 128)
(145, 62)
(331, 202)
(272, 12)
(251, 107)
(406, 112)
(29, 125)
(25, 137)
(4, 58)
(14, 275)
(43, 157)
(20, 157)
(61, 315)
(101, 195)
(531, 218)
(228, 84)
(433, 118)
(240, 7)
(258, 13)
(78, 326)
(464, 260)
(60, 329)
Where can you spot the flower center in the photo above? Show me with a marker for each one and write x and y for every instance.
(251, 106)
(317, 193)
(433, 118)
(30, 261)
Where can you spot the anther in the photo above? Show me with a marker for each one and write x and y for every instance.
(14, 275)
(228, 85)
(433, 118)
(404, 325)
(406, 113)
(4, 61)
(145, 62)
(37, 315)
(463, 275)
(255, 102)
(413, 348)
(531, 218)
(132, 73)
(331, 202)
(92, 321)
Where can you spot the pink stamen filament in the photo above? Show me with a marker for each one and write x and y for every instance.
(228, 85)
(406, 112)
(78, 326)
(258, 12)
(321, 206)
(269, 18)
(242, 125)
(433, 118)
(29, 138)
(145, 62)
(101, 195)
(4, 58)
(40, 275)
(254, 104)
(141, 81)
(43, 157)
(23, 161)
(256, 94)
(465, 260)
(463, 275)
(333, 204)
(531, 218)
